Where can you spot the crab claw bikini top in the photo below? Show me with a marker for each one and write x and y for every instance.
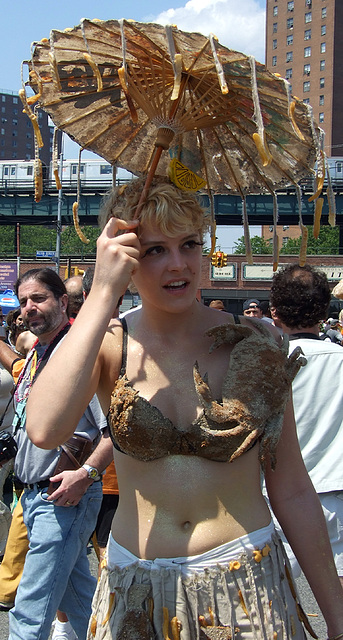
(221, 432)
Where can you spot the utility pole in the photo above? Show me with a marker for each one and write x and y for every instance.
(59, 214)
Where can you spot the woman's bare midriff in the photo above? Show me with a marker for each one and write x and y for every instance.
(186, 505)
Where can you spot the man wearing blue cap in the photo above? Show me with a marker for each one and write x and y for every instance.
(251, 308)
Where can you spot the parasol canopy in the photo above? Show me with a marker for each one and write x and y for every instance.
(140, 95)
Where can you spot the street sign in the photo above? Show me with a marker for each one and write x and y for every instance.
(45, 254)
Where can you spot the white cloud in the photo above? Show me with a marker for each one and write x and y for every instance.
(238, 24)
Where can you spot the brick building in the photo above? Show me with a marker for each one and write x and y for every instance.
(16, 131)
(233, 283)
(304, 44)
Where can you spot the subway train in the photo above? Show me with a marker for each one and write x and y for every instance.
(19, 174)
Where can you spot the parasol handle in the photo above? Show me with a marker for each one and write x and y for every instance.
(163, 140)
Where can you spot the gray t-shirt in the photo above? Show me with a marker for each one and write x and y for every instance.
(33, 464)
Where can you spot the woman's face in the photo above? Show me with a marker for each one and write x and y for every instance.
(170, 269)
(19, 322)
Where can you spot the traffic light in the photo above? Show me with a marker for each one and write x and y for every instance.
(219, 259)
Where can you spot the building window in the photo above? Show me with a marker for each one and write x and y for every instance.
(2, 132)
(306, 100)
(28, 136)
(321, 117)
(3, 98)
(323, 47)
(289, 23)
(274, 44)
(15, 112)
(274, 61)
(14, 155)
(308, 16)
(307, 34)
(3, 109)
(275, 27)
(323, 29)
(274, 11)
(289, 73)
(289, 40)
(322, 83)
(28, 145)
(321, 100)
(306, 86)
(14, 133)
(307, 69)
(14, 122)
(322, 65)
(290, 5)
(14, 143)
(307, 52)
(324, 12)
(289, 56)
(15, 100)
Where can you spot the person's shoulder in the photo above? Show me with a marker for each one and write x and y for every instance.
(320, 347)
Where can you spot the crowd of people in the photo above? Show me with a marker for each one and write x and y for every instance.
(198, 547)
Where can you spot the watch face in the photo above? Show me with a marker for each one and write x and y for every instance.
(93, 473)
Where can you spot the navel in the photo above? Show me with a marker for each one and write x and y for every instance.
(186, 526)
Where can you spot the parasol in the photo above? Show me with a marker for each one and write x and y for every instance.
(142, 95)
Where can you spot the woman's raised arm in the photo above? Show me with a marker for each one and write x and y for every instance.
(79, 366)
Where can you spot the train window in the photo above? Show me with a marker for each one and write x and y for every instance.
(12, 171)
(6, 171)
(29, 171)
(339, 166)
(105, 169)
(74, 169)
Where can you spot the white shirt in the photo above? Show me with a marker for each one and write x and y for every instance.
(318, 406)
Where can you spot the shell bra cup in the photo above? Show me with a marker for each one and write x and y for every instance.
(251, 409)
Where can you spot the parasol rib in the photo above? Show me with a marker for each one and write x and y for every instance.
(219, 67)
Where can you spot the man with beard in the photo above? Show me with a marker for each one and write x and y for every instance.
(61, 498)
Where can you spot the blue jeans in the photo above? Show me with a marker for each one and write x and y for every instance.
(56, 571)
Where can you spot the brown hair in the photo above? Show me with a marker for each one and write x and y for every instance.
(166, 207)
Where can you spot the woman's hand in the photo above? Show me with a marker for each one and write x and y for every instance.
(117, 257)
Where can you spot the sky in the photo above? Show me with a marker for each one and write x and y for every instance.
(238, 24)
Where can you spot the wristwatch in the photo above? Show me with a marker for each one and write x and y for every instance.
(92, 472)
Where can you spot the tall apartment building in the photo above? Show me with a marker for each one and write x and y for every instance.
(16, 131)
(304, 43)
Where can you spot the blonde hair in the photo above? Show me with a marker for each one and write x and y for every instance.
(166, 207)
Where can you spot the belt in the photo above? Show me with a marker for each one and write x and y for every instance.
(36, 485)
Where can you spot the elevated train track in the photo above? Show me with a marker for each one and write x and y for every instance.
(17, 204)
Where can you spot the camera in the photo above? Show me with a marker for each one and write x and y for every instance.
(8, 447)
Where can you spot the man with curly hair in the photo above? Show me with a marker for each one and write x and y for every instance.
(301, 298)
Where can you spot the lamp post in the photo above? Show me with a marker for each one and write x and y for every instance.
(59, 213)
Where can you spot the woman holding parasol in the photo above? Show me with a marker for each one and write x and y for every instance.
(192, 553)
